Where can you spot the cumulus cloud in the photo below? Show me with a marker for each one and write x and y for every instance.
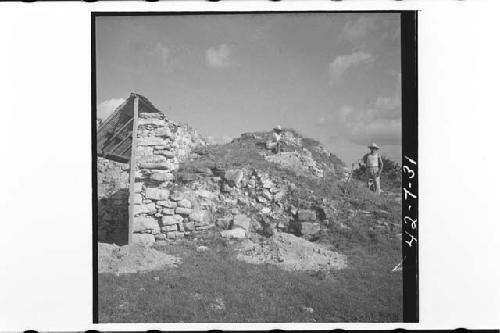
(364, 125)
(342, 63)
(382, 131)
(219, 57)
(390, 102)
(104, 109)
(164, 55)
(356, 30)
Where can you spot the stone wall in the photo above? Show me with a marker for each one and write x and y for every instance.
(159, 212)
(112, 195)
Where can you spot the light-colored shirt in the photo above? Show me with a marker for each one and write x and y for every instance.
(276, 136)
(373, 160)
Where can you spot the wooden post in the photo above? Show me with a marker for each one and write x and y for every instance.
(131, 201)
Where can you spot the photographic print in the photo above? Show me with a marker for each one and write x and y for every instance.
(255, 167)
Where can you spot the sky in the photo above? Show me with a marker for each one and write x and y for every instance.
(334, 77)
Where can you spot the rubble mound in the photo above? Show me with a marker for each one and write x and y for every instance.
(291, 253)
(131, 259)
(299, 162)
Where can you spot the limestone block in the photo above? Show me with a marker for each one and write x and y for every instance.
(171, 235)
(138, 187)
(145, 209)
(160, 237)
(171, 220)
(184, 203)
(309, 228)
(183, 211)
(267, 194)
(143, 223)
(150, 141)
(234, 177)
(224, 222)
(167, 153)
(157, 193)
(151, 122)
(148, 115)
(306, 215)
(167, 203)
(176, 196)
(241, 221)
(200, 216)
(137, 198)
(168, 211)
(234, 233)
(158, 166)
(163, 132)
(151, 159)
(204, 227)
(144, 151)
(169, 228)
(162, 176)
(267, 183)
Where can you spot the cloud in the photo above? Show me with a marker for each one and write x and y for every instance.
(356, 30)
(371, 29)
(163, 53)
(382, 131)
(364, 125)
(219, 57)
(107, 107)
(388, 103)
(342, 63)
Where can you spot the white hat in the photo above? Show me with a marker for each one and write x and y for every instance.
(278, 128)
(373, 145)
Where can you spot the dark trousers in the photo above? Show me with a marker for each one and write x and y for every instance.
(278, 147)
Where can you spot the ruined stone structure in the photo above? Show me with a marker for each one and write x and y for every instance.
(138, 151)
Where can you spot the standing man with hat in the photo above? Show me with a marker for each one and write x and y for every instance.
(277, 138)
(374, 166)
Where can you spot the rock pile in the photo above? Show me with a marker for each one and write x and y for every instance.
(250, 200)
(291, 253)
(302, 163)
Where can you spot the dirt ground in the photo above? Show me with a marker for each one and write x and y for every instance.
(291, 253)
(131, 259)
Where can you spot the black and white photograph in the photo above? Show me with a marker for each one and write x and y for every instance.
(249, 167)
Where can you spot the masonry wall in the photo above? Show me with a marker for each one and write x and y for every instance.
(160, 212)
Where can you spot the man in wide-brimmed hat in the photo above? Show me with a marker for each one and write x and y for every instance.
(277, 131)
(374, 166)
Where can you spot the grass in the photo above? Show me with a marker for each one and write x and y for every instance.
(367, 291)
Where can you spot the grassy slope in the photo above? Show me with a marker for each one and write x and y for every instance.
(367, 291)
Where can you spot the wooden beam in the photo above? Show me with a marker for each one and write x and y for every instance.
(131, 202)
(108, 141)
(122, 141)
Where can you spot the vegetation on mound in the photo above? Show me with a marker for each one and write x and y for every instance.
(213, 286)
